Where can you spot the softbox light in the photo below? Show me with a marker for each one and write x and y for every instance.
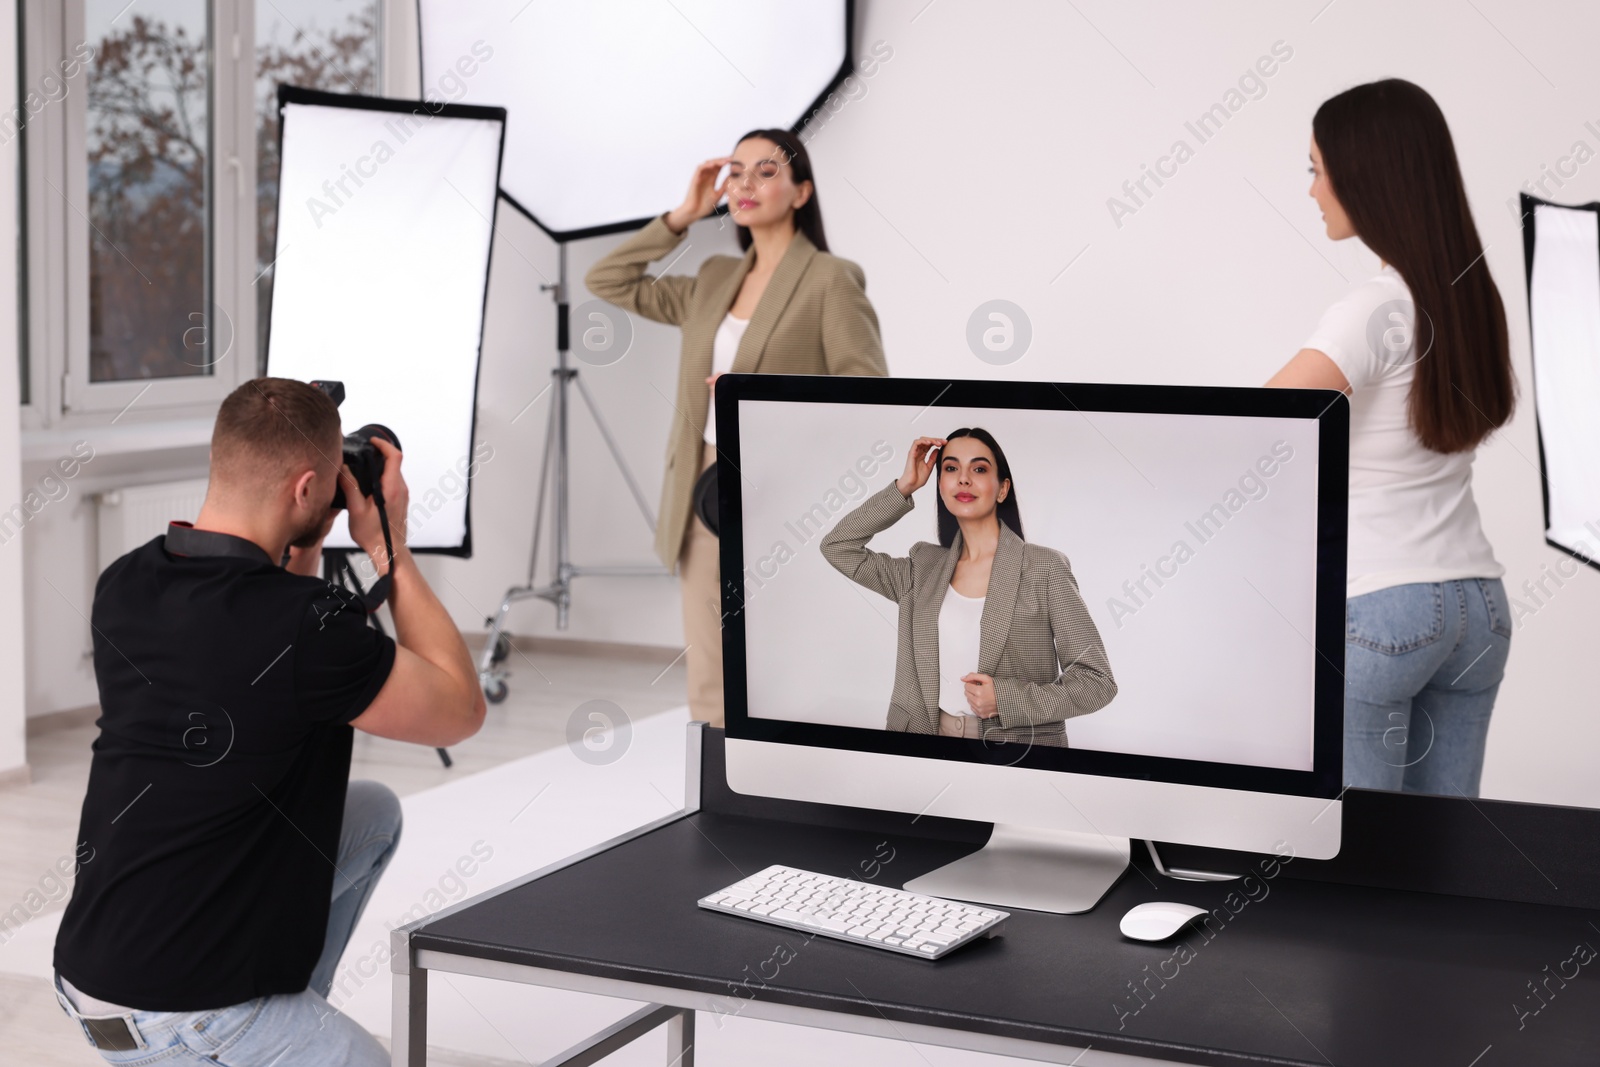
(385, 218)
(613, 104)
(1561, 246)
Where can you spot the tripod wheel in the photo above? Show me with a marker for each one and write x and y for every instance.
(496, 693)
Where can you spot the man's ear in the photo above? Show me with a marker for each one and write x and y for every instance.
(302, 488)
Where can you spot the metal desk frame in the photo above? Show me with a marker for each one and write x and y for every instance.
(674, 1008)
(1457, 851)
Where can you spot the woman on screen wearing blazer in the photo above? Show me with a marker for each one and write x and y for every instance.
(786, 307)
(995, 642)
(1421, 349)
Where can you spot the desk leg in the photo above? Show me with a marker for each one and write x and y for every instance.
(680, 1039)
(408, 1044)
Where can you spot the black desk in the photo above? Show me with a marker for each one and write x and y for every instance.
(1304, 971)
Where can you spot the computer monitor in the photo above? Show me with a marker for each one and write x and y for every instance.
(1159, 651)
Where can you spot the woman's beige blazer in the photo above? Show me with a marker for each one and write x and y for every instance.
(1037, 639)
(813, 318)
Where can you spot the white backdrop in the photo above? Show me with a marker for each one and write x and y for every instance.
(1207, 667)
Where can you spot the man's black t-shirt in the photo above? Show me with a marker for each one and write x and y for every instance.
(217, 785)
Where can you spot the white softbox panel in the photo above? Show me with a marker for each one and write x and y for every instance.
(613, 104)
(385, 217)
(1562, 247)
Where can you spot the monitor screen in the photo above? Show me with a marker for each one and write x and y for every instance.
(1160, 593)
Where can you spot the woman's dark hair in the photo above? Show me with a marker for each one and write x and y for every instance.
(808, 216)
(1006, 510)
(1391, 162)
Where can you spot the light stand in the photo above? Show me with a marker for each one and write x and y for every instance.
(556, 457)
(338, 570)
(581, 179)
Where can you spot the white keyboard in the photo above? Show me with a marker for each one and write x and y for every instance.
(861, 912)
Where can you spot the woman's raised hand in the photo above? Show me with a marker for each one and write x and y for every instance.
(701, 199)
(919, 464)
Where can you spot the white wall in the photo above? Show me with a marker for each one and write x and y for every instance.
(977, 162)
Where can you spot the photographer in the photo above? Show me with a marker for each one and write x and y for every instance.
(232, 855)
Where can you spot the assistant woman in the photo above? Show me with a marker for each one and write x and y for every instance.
(1422, 351)
(995, 642)
(786, 307)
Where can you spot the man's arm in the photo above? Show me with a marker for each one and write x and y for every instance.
(431, 696)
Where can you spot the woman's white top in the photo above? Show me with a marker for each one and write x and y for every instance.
(724, 347)
(1412, 514)
(959, 634)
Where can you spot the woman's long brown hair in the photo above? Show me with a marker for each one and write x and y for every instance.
(1389, 157)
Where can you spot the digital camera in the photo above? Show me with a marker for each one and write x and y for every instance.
(360, 454)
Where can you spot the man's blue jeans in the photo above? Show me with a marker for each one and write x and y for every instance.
(294, 1028)
(1422, 665)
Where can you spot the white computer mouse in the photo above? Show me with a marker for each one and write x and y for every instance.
(1157, 920)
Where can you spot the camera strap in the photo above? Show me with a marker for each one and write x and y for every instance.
(373, 598)
(184, 540)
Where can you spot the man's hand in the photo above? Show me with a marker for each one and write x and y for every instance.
(365, 528)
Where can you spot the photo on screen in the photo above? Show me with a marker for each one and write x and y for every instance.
(1174, 556)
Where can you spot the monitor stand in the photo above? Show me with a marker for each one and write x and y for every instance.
(1061, 871)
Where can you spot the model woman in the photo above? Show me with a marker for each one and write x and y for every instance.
(1421, 349)
(995, 641)
(787, 307)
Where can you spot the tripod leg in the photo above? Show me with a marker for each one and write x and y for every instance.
(544, 476)
(444, 757)
(497, 621)
(616, 453)
(563, 523)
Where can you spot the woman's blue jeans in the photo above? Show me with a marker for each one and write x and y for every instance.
(1422, 665)
(293, 1028)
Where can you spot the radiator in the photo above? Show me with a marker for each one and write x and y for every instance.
(129, 517)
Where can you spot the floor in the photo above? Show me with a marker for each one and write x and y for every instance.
(539, 783)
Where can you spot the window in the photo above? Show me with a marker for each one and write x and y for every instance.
(149, 191)
(149, 153)
(11, 128)
(316, 44)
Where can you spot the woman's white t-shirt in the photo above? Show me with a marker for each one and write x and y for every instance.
(724, 347)
(959, 635)
(1412, 514)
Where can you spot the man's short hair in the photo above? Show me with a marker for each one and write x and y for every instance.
(270, 428)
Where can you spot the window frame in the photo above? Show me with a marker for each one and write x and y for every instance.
(57, 230)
